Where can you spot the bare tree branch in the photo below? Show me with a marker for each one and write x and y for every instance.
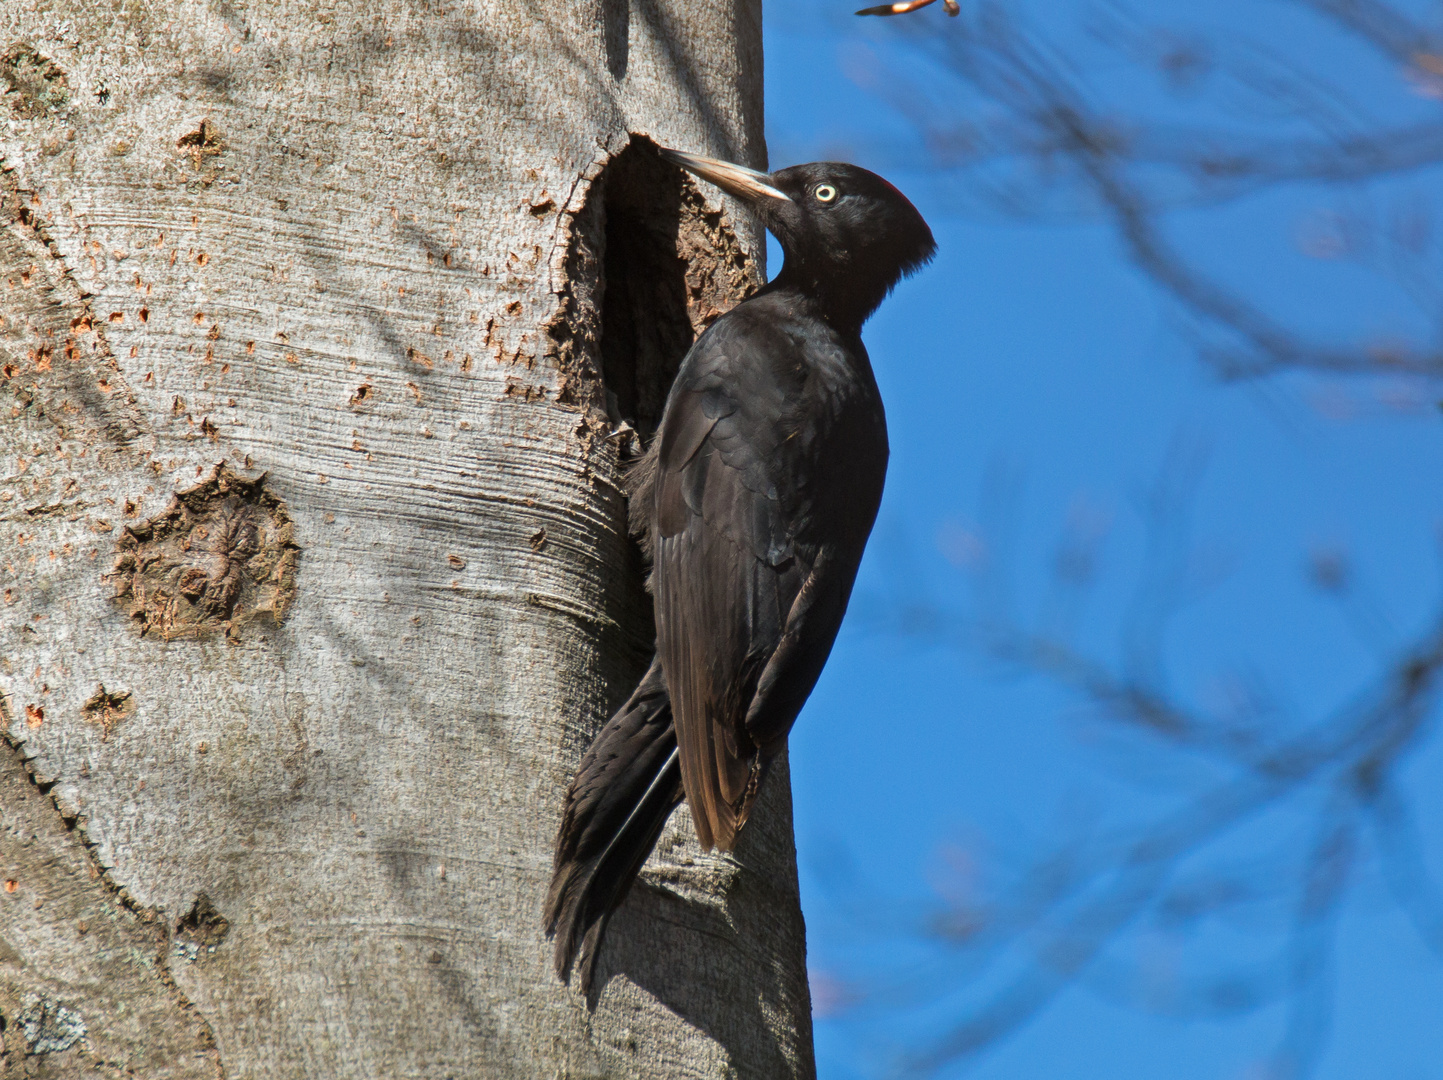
(1027, 122)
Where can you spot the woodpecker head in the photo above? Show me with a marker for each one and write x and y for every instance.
(847, 235)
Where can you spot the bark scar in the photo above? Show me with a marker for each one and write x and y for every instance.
(221, 555)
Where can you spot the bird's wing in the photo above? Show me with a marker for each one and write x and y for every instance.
(725, 575)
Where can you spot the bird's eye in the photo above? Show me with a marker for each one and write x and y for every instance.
(825, 193)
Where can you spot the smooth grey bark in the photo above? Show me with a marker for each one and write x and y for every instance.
(314, 581)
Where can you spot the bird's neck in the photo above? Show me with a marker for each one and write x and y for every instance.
(843, 300)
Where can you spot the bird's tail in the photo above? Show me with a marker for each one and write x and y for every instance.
(627, 786)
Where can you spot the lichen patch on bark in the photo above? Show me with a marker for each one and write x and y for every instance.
(48, 1026)
(221, 555)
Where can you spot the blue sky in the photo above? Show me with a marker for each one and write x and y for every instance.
(1037, 353)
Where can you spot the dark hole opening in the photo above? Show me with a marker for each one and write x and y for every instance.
(645, 329)
(638, 226)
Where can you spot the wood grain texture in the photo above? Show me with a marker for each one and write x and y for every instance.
(339, 248)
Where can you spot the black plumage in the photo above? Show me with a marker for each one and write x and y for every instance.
(755, 501)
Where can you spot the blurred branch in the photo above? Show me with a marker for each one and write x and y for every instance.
(1065, 915)
(1344, 755)
(1383, 26)
(1028, 111)
(1027, 125)
(1415, 891)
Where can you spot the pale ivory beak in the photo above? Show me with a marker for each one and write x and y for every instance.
(735, 180)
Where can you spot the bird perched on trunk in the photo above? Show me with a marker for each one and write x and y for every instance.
(754, 501)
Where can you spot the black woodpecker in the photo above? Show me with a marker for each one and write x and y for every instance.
(755, 501)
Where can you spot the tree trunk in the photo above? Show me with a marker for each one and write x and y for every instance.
(320, 322)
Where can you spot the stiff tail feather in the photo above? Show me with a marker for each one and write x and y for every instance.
(628, 784)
